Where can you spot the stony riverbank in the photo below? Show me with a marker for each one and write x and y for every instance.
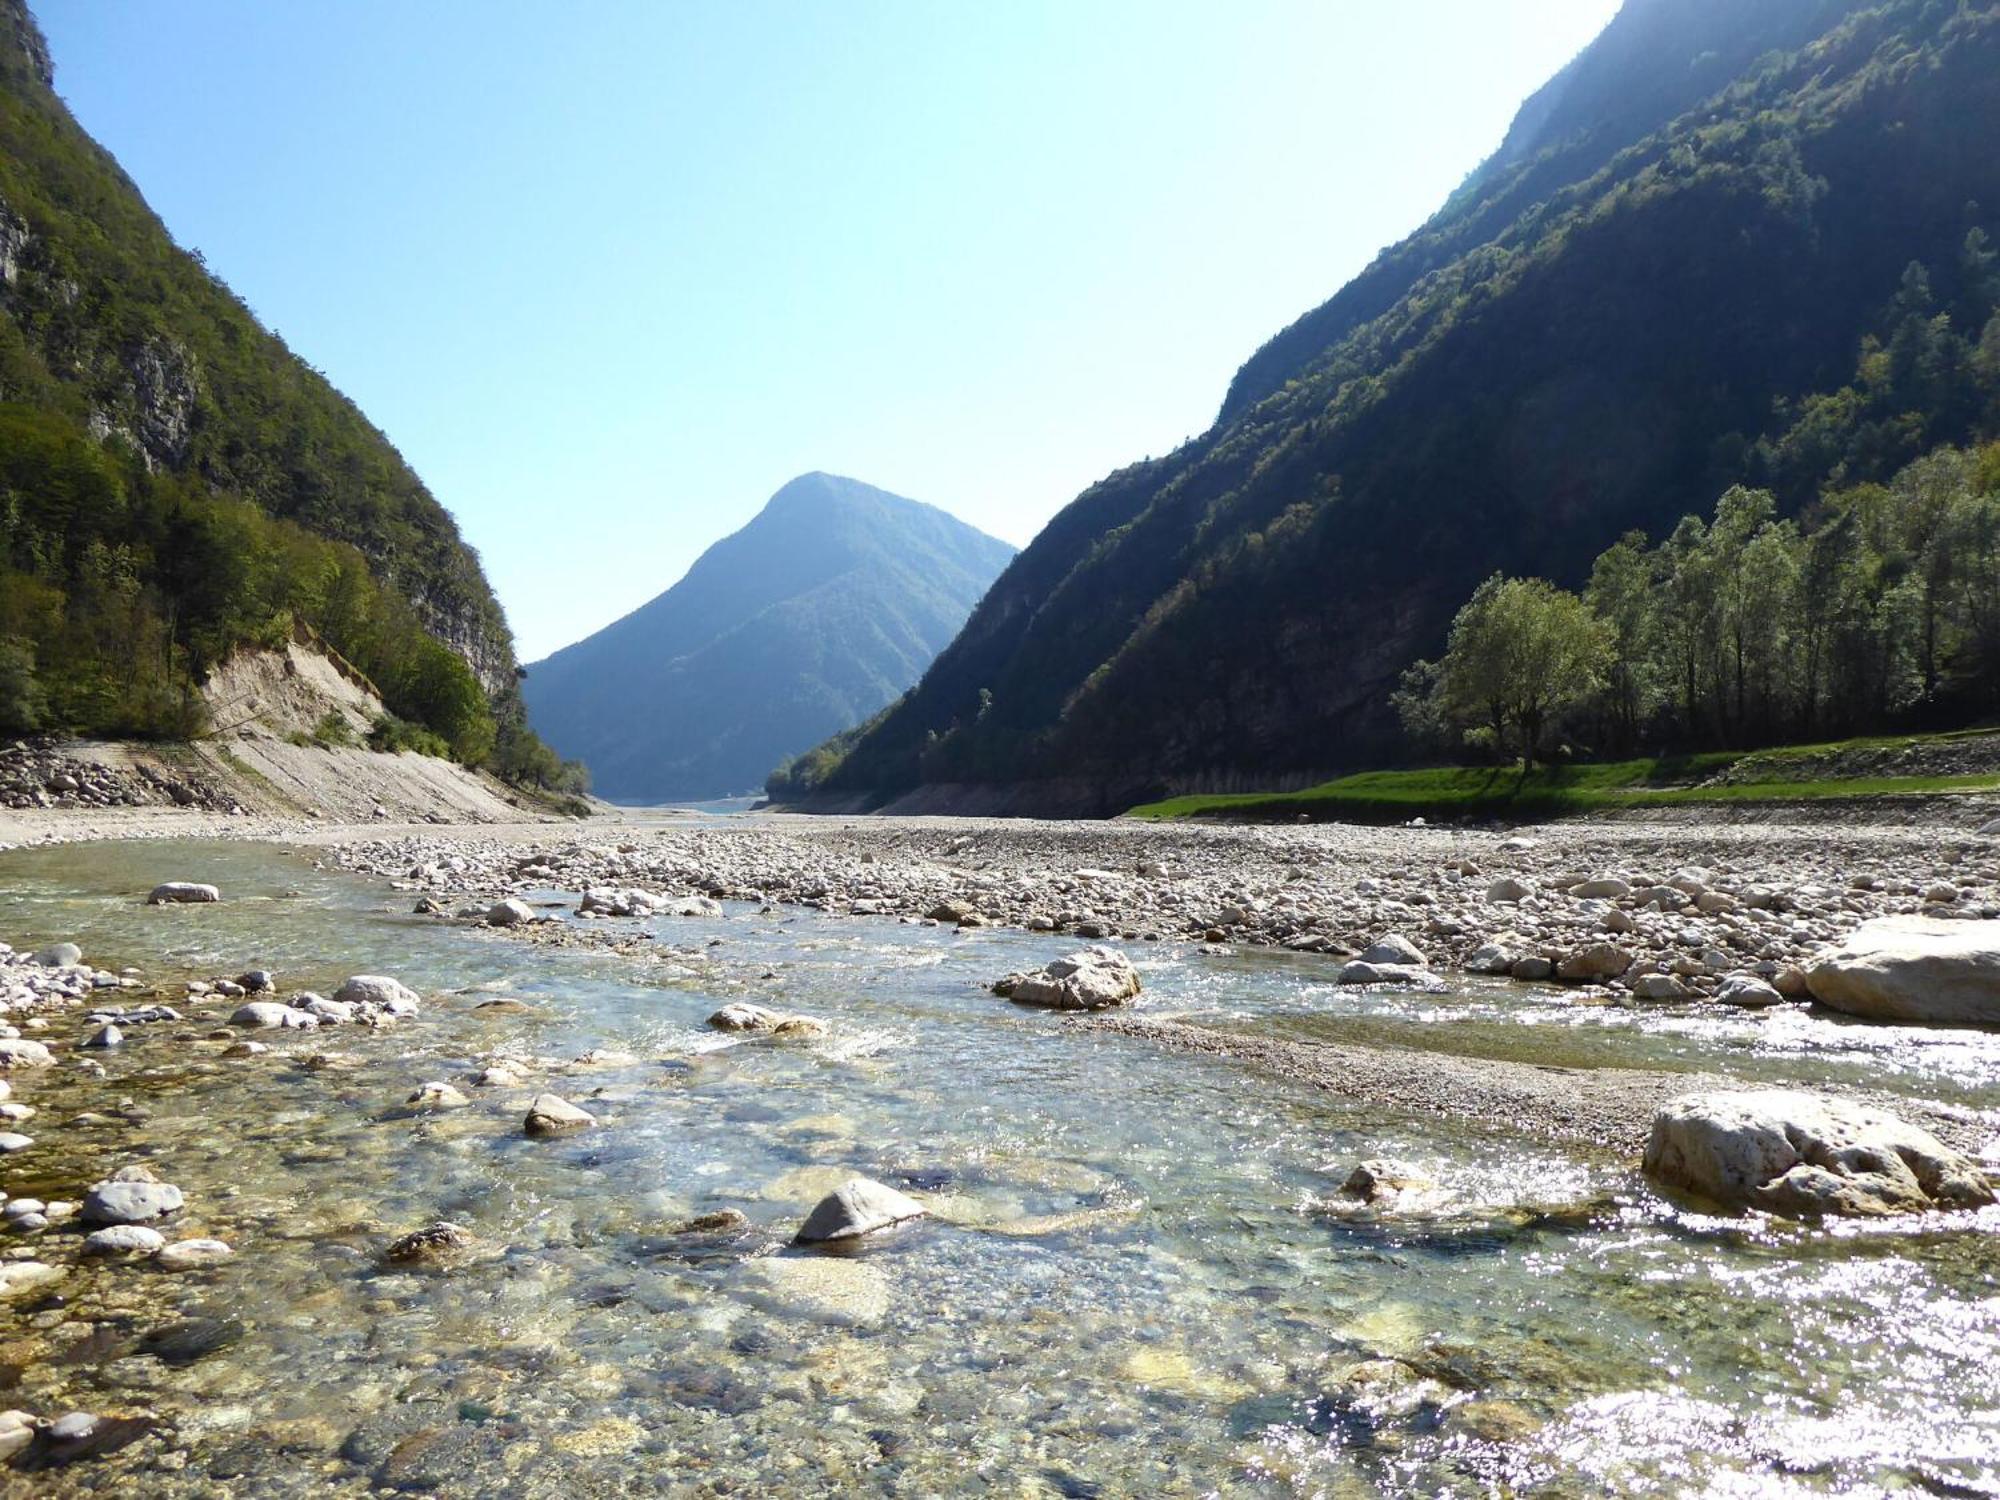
(1622, 910)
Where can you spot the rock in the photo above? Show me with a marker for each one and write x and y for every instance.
(436, 1244)
(1508, 890)
(1360, 971)
(694, 906)
(1659, 987)
(549, 1114)
(123, 1239)
(509, 913)
(58, 956)
(1603, 888)
(326, 1012)
(1748, 991)
(17, 1431)
(20, 1276)
(392, 995)
(189, 1255)
(116, 1202)
(1594, 962)
(1089, 979)
(1532, 968)
(10, 1142)
(743, 1016)
(437, 1096)
(269, 1015)
(257, 981)
(1383, 1181)
(182, 893)
(500, 1075)
(1395, 949)
(722, 1221)
(1799, 1154)
(18, 1052)
(859, 1206)
(106, 1035)
(1913, 969)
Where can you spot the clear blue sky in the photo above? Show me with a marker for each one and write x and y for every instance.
(609, 273)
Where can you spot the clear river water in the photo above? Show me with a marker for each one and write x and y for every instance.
(1138, 1276)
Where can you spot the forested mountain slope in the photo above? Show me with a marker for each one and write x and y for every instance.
(175, 482)
(827, 605)
(1686, 267)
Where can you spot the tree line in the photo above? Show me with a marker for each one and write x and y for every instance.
(1877, 608)
(120, 587)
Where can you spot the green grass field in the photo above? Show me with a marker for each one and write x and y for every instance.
(1500, 791)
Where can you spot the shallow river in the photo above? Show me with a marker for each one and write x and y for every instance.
(1129, 1284)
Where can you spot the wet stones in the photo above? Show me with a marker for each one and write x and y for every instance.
(18, 1052)
(58, 956)
(509, 913)
(550, 1114)
(1089, 979)
(182, 893)
(722, 1221)
(437, 1096)
(858, 1207)
(435, 1245)
(743, 1016)
(1378, 1182)
(191, 1254)
(11, 1142)
(107, 1035)
(1802, 1155)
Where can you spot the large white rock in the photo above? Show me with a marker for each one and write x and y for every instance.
(1089, 979)
(182, 893)
(1913, 969)
(1800, 1154)
(857, 1207)
(509, 913)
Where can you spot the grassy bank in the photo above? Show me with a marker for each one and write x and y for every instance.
(1797, 773)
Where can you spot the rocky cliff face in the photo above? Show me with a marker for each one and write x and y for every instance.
(105, 321)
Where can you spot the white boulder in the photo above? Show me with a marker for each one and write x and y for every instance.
(1089, 979)
(1803, 1155)
(1913, 969)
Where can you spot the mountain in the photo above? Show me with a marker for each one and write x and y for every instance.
(175, 482)
(811, 618)
(1687, 265)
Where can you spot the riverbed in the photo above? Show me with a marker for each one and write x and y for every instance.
(1139, 1274)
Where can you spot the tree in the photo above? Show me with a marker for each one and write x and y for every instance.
(1522, 654)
